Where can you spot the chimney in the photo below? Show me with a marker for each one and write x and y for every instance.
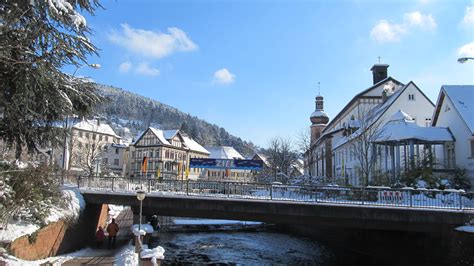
(379, 72)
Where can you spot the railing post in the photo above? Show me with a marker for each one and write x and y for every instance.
(79, 182)
(187, 187)
(271, 192)
(411, 198)
(460, 200)
(113, 179)
(316, 194)
(149, 185)
(363, 196)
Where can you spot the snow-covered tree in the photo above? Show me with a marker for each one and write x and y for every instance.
(88, 155)
(281, 156)
(37, 39)
(27, 193)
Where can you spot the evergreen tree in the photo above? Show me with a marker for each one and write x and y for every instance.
(37, 39)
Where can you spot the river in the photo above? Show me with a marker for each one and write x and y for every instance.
(247, 248)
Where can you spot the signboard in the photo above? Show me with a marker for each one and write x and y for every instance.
(225, 164)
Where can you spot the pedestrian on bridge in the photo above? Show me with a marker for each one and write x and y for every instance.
(112, 230)
(99, 237)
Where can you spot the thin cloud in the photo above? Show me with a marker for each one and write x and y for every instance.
(125, 67)
(153, 44)
(468, 19)
(223, 77)
(466, 50)
(146, 70)
(385, 31)
(416, 19)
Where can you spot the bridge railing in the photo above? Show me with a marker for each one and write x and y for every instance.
(375, 196)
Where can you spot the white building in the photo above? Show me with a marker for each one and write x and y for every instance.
(85, 149)
(115, 158)
(455, 110)
(333, 154)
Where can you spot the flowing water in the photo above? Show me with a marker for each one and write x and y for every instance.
(244, 248)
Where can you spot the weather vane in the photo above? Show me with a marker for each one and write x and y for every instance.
(379, 58)
(319, 88)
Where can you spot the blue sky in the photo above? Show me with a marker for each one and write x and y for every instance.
(252, 67)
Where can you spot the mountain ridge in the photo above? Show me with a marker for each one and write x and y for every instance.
(130, 113)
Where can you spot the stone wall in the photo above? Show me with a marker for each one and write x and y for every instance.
(61, 237)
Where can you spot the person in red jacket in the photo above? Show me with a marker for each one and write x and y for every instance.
(112, 229)
(99, 237)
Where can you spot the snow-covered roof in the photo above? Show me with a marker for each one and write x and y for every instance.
(157, 132)
(160, 135)
(169, 134)
(388, 79)
(94, 126)
(263, 157)
(194, 146)
(401, 127)
(223, 152)
(462, 97)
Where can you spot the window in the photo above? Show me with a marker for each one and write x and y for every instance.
(411, 97)
(100, 137)
(105, 160)
(87, 135)
(428, 121)
(472, 147)
(106, 148)
(116, 161)
(116, 150)
(80, 134)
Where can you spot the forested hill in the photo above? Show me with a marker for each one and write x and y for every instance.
(129, 114)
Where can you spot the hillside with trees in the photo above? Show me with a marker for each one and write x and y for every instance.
(129, 114)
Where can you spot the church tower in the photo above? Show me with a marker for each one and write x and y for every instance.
(319, 119)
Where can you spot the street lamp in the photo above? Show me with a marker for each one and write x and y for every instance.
(94, 66)
(140, 196)
(463, 60)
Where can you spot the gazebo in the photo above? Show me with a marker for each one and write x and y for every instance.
(402, 135)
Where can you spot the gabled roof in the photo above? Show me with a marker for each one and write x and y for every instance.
(223, 152)
(194, 146)
(169, 134)
(157, 132)
(358, 96)
(94, 126)
(462, 97)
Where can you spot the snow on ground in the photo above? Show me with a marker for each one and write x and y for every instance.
(58, 260)
(75, 203)
(465, 228)
(126, 256)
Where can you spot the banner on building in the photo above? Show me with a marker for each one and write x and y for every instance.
(225, 164)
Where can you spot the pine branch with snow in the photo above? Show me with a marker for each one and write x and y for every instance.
(37, 39)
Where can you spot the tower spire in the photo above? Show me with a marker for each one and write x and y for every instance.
(319, 88)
